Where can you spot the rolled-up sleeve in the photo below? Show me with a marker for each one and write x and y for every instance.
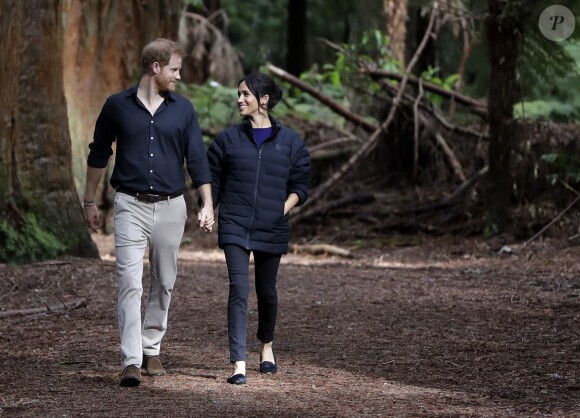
(215, 156)
(101, 148)
(195, 153)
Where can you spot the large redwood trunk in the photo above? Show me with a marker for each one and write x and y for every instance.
(40, 214)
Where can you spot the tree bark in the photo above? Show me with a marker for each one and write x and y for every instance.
(396, 15)
(208, 53)
(503, 31)
(40, 214)
(296, 40)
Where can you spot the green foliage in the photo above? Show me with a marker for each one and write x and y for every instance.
(553, 94)
(216, 107)
(194, 3)
(28, 242)
(257, 28)
(447, 83)
(329, 81)
(548, 71)
(551, 109)
(563, 167)
(372, 50)
(214, 104)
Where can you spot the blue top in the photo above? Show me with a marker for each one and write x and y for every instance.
(261, 134)
(151, 150)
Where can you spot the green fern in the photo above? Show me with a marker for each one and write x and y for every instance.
(562, 168)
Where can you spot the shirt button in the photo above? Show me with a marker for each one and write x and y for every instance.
(152, 155)
(150, 187)
(151, 171)
(151, 121)
(151, 137)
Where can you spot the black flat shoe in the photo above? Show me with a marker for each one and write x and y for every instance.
(237, 379)
(267, 367)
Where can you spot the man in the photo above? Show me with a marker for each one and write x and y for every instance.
(156, 131)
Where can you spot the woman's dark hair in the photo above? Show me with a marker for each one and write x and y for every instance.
(260, 85)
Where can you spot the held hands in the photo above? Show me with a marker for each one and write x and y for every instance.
(206, 219)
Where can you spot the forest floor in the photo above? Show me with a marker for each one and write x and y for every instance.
(429, 327)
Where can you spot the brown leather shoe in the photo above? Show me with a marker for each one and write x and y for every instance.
(131, 376)
(153, 366)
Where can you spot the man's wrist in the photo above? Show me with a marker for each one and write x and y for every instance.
(87, 202)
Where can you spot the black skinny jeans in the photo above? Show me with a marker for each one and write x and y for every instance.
(266, 269)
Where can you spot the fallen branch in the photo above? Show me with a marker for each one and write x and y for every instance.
(321, 155)
(429, 111)
(460, 129)
(451, 199)
(335, 204)
(316, 249)
(65, 306)
(453, 161)
(332, 104)
(333, 143)
(467, 47)
(552, 222)
(416, 131)
(373, 140)
(466, 185)
(473, 105)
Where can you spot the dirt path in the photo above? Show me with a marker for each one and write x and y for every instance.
(443, 329)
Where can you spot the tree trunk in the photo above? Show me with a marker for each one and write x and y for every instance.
(396, 15)
(503, 32)
(296, 40)
(102, 48)
(209, 55)
(40, 214)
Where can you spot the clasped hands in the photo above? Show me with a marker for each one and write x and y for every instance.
(206, 219)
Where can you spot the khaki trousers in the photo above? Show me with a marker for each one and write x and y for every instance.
(137, 224)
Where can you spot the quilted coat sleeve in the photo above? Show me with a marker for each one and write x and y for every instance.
(299, 179)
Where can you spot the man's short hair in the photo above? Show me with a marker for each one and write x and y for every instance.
(160, 50)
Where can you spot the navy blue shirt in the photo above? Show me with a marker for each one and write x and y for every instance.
(150, 150)
(261, 134)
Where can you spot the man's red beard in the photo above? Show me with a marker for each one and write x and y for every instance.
(164, 85)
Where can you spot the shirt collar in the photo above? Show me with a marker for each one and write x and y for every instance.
(132, 91)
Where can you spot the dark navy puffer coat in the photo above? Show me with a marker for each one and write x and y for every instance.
(251, 182)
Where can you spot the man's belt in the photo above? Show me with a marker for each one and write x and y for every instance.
(149, 197)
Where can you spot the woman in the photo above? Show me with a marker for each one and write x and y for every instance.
(260, 171)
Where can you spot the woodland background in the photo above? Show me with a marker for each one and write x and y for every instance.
(423, 117)
(432, 273)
